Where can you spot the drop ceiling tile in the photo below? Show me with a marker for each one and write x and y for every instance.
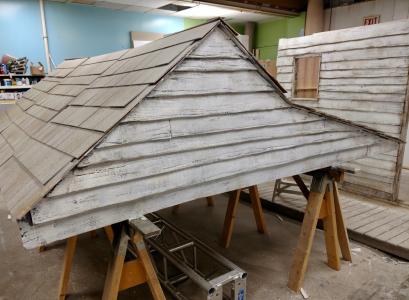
(111, 5)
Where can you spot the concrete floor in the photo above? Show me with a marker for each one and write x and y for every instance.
(267, 259)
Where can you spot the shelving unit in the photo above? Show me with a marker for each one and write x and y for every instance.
(13, 90)
(15, 87)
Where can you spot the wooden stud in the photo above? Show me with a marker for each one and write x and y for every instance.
(230, 217)
(210, 201)
(151, 277)
(113, 278)
(257, 209)
(341, 228)
(109, 233)
(303, 250)
(330, 231)
(67, 265)
(133, 274)
(323, 210)
(302, 186)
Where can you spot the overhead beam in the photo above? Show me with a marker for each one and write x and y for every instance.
(254, 7)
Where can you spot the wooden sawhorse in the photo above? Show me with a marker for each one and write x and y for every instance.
(231, 214)
(126, 238)
(323, 203)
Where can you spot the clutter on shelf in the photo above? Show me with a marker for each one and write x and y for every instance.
(14, 80)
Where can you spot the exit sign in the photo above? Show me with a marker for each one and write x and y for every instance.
(370, 20)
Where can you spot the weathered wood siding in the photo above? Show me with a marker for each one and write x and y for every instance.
(363, 78)
(212, 125)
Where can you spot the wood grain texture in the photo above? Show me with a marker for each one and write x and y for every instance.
(199, 132)
(363, 78)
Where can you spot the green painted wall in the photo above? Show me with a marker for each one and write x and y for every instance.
(238, 27)
(268, 34)
(192, 22)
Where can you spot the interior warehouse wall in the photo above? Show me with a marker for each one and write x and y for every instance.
(74, 30)
(268, 34)
(352, 15)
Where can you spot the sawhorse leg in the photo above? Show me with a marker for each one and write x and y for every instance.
(323, 203)
(230, 217)
(113, 277)
(306, 238)
(231, 214)
(150, 273)
(67, 265)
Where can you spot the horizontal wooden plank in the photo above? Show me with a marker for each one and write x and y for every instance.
(195, 83)
(367, 81)
(368, 89)
(364, 54)
(145, 131)
(97, 176)
(366, 64)
(105, 152)
(363, 73)
(377, 42)
(377, 163)
(336, 95)
(215, 65)
(218, 44)
(34, 236)
(356, 55)
(139, 132)
(196, 106)
(370, 183)
(384, 30)
(185, 127)
(375, 177)
(366, 191)
(393, 130)
(358, 105)
(52, 209)
(372, 117)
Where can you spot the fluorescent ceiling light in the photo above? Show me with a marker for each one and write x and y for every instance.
(203, 11)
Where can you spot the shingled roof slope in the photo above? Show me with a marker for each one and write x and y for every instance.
(62, 117)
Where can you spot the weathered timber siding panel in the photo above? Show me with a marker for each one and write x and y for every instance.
(363, 78)
(205, 129)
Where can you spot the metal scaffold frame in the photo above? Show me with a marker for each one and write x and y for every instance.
(178, 257)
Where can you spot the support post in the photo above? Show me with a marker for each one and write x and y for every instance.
(257, 209)
(306, 238)
(341, 228)
(330, 231)
(113, 278)
(323, 203)
(230, 217)
(67, 265)
(151, 277)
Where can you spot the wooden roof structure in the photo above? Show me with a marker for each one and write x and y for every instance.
(82, 150)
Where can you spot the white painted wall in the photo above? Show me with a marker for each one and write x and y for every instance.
(352, 15)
